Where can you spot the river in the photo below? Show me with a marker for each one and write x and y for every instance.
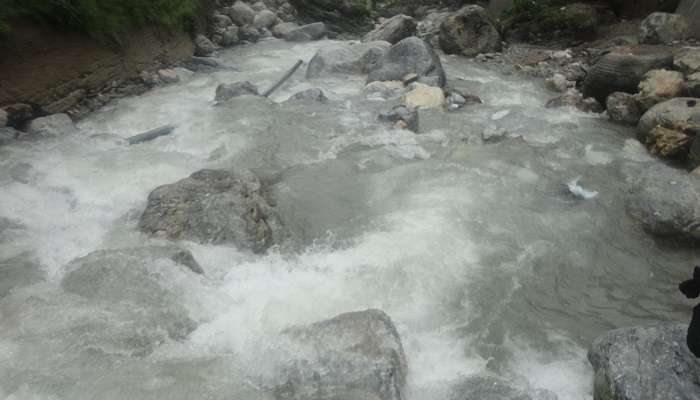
(483, 258)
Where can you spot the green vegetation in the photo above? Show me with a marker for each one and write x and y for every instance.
(549, 16)
(105, 20)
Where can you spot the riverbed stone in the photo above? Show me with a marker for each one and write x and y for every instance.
(623, 108)
(227, 91)
(356, 355)
(308, 32)
(672, 114)
(384, 90)
(424, 96)
(213, 206)
(622, 69)
(574, 98)
(659, 85)
(241, 13)
(469, 32)
(168, 75)
(249, 33)
(667, 203)
(264, 19)
(393, 30)
(663, 28)
(402, 117)
(645, 363)
(411, 55)
(203, 47)
(310, 95)
(346, 58)
(51, 126)
(284, 28)
(688, 61)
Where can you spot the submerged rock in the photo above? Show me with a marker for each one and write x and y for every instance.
(52, 126)
(384, 90)
(346, 58)
(314, 95)
(649, 363)
(283, 29)
(393, 30)
(314, 31)
(409, 56)
(622, 69)
(667, 203)
(227, 91)
(663, 28)
(356, 355)
(469, 32)
(213, 206)
(8, 135)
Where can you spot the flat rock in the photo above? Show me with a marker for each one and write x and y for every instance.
(645, 363)
(213, 206)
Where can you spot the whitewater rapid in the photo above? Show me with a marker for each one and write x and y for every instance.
(483, 258)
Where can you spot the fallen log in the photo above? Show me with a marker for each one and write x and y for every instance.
(284, 79)
(152, 134)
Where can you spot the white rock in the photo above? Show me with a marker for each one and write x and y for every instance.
(424, 96)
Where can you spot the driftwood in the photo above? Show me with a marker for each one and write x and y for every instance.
(284, 79)
(150, 135)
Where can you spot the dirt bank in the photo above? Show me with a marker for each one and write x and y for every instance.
(53, 70)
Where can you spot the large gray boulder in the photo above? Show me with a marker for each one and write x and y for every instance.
(51, 126)
(241, 13)
(308, 32)
(203, 47)
(393, 30)
(645, 363)
(667, 203)
(469, 32)
(264, 19)
(663, 28)
(671, 114)
(409, 56)
(622, 68)
(227, 91)
(283, 29)
(136, 289)
(213, 206)
(346, 58)
(354, 356)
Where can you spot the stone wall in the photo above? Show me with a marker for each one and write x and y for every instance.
(53, 70)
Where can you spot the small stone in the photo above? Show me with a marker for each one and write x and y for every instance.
(410, 78)
(168, 76)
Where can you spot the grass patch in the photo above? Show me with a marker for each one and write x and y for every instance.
(104, 20)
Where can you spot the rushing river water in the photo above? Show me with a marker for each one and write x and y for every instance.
(483, 259)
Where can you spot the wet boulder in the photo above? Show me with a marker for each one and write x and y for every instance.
(659, 85)
(310, 95)
(393, 30)
(227, 91)
(283, 29)
(357, 355)
(672, 114)
(306, 33)
(687, 61)
(401, 117)
(424, 96)
(622, 69)
(203, 47)
(469, 32)
(264, 19)
(429, 27)
(667, 203)
(213, 206)
(409, 56)
(241, 13)
(51, 126)
(346, 58)
(663, 28)
(623, 108)
(645, 363)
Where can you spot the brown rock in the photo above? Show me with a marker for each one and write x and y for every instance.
(659, 85)
(668, 143)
